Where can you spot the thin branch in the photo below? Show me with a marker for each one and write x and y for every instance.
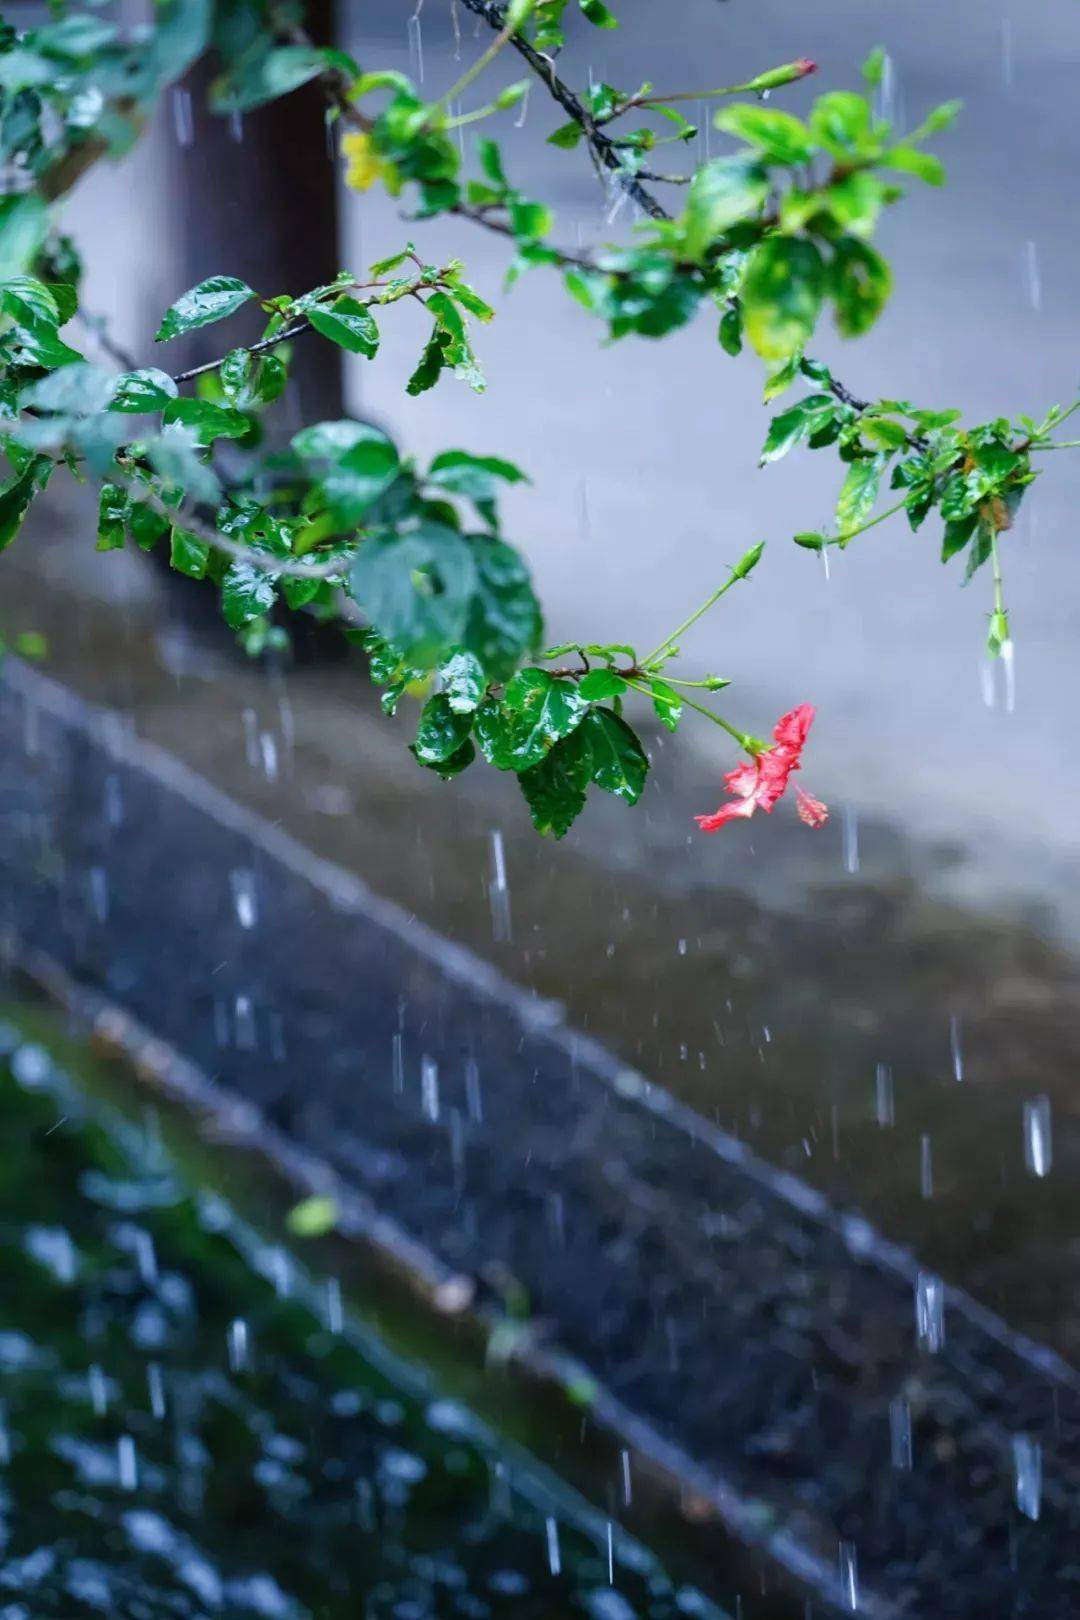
(252, 348)
(178, 517)
(605, 151)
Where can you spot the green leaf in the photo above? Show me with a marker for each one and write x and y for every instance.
(313, 1217)
(781, 295)
(143, 391)
(430, 366)
(598, 14)
(567, 135)
(667, 703)
(463, 682)
(600, 684)
(504, 621)
(24, 224)
(146, 525)
(349, 324)
(619, 764)
(212, 300)
(29, 302)
(556, 787)
(264, 77)
(842, 123)
(537, 710)
(860, 282)
(189, 555)
(360, 475)
(454, 763)
(15, 498)
(909, 160)
(808, 416)
(112, 515)
(441, 730)
(246, 592)
(206, 420)
(858, 493)
(721, 193)
(463, 474)
(873, 69)
(957, 534)
(416, 588)
(778, 136)
(731, 331)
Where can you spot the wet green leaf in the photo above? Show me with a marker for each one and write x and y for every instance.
(781, 295)
(212, 300)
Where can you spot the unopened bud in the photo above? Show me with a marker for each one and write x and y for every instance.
(789, 73)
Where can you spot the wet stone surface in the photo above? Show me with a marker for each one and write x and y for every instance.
(189, 1430)
(872, 1426)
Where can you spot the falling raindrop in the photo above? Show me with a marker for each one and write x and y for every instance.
(1033, 275)
(114, 801)
(926, 1168)
(145, 1258)
(183, 116)
(397, 1061)
(244, 1024)
(99, 1390)
(250, 721)
(850, 835)
(849, 1576)
(245, 901)
(610, 1554)
(335, 1314)
(238, 1345)
(155, 1389)
(886, 1110)
(280, 1273)
(627, 1493)
(416, 43)
(1027, 1474)
(956, 1051)
(429, 1088)
(930, 1311)
(1008, 669)
(900, 1432)
(236, 125)
(499, 891)
(99, 892)
(1037, 1143)
(126, 1463)
(554, 1560)
(474, 1097)
(268, 754)
(519, 121)
(455, 23)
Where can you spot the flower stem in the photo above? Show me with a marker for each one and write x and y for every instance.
(743, 738)
(501, 38)
(693, 619)
(843, 540)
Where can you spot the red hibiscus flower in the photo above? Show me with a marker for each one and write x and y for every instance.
(759, 782)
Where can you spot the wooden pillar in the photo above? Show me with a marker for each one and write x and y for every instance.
(258, 199)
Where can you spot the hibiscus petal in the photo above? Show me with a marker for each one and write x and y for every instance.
(810, 810)
(792, 729)
(726, 813)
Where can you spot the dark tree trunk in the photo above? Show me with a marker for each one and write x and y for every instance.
(258, 200)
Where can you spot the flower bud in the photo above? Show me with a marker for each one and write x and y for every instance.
(789, 73)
